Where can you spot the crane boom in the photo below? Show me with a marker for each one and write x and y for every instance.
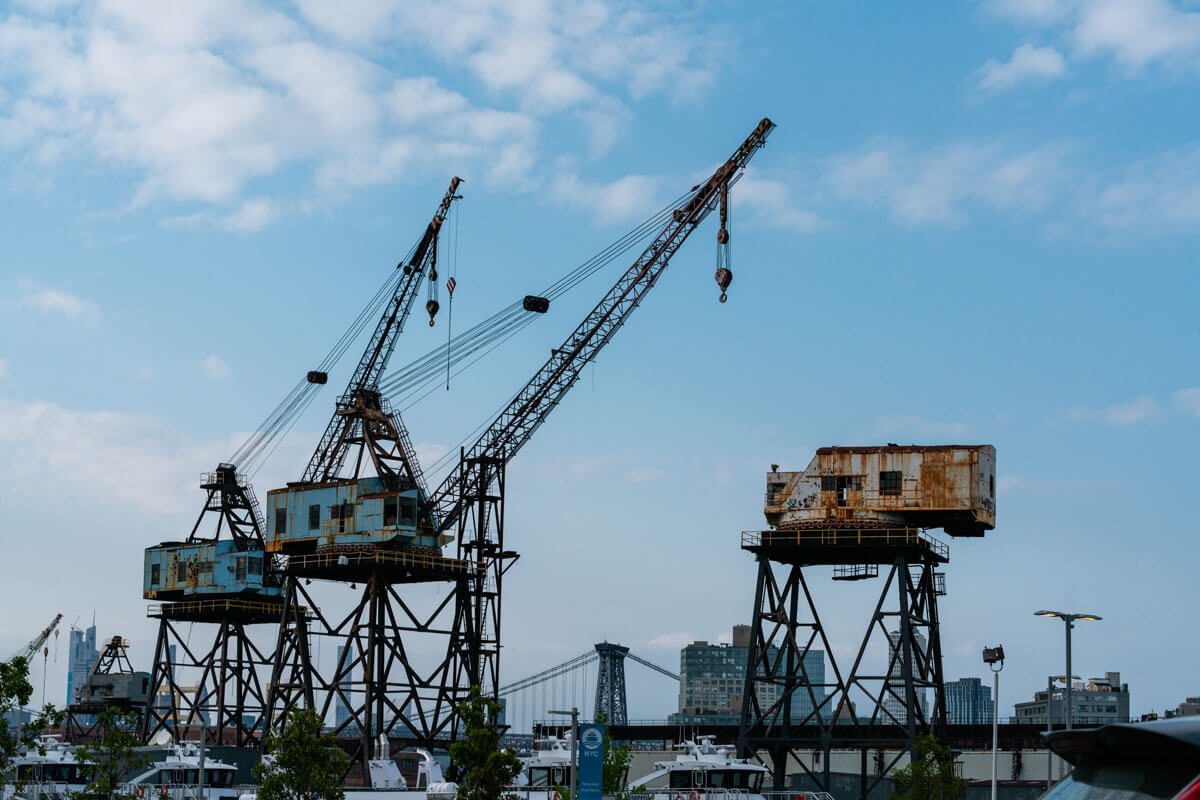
(513, 427)
(30, 650)
(360, 416)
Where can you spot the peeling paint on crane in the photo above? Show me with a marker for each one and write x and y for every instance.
(943, 486)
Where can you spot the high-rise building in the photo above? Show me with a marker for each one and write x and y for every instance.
(712, 680)
(82, 657)
(895, 706)
(1100, 701)
(968, 702)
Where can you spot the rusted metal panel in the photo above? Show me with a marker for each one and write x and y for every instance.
(942, 486)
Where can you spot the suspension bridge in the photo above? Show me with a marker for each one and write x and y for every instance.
(600, 671)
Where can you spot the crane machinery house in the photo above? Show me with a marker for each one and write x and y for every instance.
(304, 517)
(945, 486)
(211, 568)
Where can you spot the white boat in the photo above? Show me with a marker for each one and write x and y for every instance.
(702, 771)
(57, 773)
(388, 784)
(546, 770)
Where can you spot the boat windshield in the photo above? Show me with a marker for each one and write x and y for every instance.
(744, 779)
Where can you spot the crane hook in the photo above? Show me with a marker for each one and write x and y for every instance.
(432, 307)
(724, 277)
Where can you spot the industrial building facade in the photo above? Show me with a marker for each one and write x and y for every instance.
(712, 680)
(1100, 701)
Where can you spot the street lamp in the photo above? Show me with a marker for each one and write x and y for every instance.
(994, 658)
(574, 715)
(1070, 620)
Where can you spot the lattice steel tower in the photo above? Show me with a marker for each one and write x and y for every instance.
(857, 509)
(610, 683)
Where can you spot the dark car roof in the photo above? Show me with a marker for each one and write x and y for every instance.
(1168, 739)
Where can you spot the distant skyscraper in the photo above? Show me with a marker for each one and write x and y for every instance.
(82, 657)
(968, 702)
(712, 680)
(893, 705)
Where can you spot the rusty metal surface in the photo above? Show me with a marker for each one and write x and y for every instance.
(943, 486)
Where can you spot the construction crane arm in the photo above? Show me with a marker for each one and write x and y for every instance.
(327, 461)
(514, 426)
(35, 644)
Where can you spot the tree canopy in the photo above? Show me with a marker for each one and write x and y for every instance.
(484, 770)
(302, 762)
(15, 691)
(930, 774)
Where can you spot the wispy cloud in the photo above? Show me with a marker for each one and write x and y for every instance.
(940, 186)
(914, 424)
(205, 101)
(53, 301)
(1141, 409)
(1028, 63)
(1133, 33)
(672, 641)
(1187, 401)
(215, 368)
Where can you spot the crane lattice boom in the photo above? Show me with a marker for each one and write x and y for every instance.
(360, 416)
(513, 427)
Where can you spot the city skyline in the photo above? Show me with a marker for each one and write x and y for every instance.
(974, 223)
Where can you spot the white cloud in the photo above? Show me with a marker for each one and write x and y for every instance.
(215, 368)
(672, 641)
(939, 186)
(1141, 409)
(1134, 33)
(773, 203)
(124, 460)
(1027, 63)
(1187, 401)
(1162, 192)
(53, 301)
(914, 424)
(630, 197)
(203, 102)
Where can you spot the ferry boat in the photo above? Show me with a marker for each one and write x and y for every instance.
(56, 774)
(548, 769)
(702, 771)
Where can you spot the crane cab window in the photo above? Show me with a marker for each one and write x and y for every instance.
(281, 520)
(891, 483)
(154, 574)
(390, 513)
(180, 569)
(314, 517)
(408, 510)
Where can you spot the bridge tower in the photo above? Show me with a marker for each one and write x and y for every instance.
(610, 683)
(859, 510)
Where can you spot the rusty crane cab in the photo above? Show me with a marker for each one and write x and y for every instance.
(944, 486)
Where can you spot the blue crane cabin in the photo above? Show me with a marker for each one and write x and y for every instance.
(206, 570)
(304, 518)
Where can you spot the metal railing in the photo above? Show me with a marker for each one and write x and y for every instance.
(415, 559)
(217, 607)
(847, 537)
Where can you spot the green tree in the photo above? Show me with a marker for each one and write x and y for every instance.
(15, 691)
(304, 763)
(930, 774)
(113, 758)
(483, 768)
(616, 763)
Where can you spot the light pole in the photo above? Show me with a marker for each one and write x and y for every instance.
(574, 715)
(994, 658)
(1070, 620)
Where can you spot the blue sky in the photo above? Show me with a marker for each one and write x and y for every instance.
(976, 222)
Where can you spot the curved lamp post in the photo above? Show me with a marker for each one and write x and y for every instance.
(1070, 620)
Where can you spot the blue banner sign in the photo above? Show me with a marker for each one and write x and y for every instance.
(591, 760)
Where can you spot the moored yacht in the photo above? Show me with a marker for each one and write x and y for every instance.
(703, 771)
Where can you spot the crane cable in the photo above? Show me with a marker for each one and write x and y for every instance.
(259, 445)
